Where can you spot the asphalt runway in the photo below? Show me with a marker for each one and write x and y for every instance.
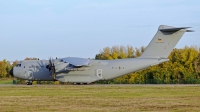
(98, 85)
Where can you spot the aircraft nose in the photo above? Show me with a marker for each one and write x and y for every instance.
(11, 72)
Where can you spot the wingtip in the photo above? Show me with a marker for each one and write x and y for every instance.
(190, 31)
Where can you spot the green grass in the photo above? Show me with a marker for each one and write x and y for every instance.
(6, 81)
(95, 98)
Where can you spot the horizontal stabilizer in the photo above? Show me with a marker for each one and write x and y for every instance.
(189, 30)
(173, 29)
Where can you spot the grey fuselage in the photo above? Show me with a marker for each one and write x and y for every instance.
(97, 70)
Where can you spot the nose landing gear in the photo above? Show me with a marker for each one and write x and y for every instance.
(28, 82)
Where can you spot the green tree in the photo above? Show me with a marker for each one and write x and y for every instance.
(115, 52)
(137, 52)
(130, 52)
(122, 52)
(2, 69)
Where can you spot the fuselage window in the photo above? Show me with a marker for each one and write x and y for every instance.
(18, 65)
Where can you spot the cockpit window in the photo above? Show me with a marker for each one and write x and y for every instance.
(18, 65)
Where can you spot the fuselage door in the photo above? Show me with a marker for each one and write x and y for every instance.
(99, 73)
(30, 75)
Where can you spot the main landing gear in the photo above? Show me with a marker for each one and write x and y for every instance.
(28, 82)
(82, 83)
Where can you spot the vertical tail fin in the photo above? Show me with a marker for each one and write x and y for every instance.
(164, 41)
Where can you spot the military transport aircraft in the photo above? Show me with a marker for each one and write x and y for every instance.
(83, 70)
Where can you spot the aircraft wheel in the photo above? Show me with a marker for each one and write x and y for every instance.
(29, 83)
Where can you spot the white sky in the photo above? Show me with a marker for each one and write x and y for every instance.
(81, 28)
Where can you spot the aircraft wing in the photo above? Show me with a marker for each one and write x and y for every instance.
(78, 62)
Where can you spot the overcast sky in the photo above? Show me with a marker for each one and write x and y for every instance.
(81, 28)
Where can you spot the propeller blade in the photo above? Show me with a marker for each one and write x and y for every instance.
(52, 68)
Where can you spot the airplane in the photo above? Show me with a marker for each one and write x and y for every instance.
(86, 71)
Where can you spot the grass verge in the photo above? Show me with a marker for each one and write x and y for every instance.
(6, 81)
(106, 98)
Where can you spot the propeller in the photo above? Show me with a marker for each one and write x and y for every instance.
(51, 68)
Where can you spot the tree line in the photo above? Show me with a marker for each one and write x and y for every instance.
(182, 68)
